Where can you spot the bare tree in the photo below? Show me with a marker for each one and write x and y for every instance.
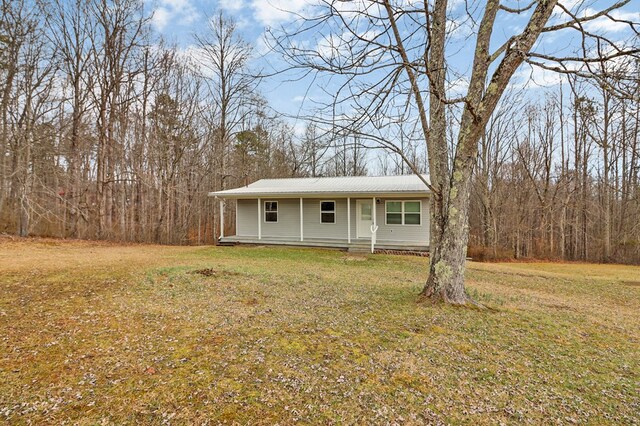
(71, 27)
(392, 56)
(224, 58)
(119, 31)
(25, 105)
(105, 130)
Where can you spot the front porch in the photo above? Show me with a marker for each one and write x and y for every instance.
(356, 244)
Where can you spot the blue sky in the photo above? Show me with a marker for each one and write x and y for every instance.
(177, 20)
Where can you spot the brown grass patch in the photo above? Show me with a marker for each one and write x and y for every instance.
(95, 333)
(210, 272)
(355, 258)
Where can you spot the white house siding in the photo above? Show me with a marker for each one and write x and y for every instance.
(413, 233)
(330, 231)
(247, 218)
(288, 225)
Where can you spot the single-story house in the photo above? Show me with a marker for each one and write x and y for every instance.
(363, 212)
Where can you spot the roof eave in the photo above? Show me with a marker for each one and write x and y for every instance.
(363, 194)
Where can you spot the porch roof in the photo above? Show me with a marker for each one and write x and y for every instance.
(336, 186)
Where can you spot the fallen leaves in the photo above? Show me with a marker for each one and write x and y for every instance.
(150, 334)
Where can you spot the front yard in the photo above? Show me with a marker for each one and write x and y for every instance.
(102, 333)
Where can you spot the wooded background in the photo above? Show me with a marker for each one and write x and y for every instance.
(108, 132)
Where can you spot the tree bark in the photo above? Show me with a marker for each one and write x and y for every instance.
(451, 207)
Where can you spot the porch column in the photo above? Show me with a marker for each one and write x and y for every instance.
(374, 228)
(373, 212)
(348, 220)
(259, 219)
(221, 218)
(301, 222)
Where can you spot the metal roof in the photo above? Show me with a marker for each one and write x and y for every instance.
(352, 185)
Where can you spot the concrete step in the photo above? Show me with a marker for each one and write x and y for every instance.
(359, 249)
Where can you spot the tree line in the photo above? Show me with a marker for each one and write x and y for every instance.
(108, 132)
(560, 177)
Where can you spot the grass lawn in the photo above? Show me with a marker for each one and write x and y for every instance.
(95, 333)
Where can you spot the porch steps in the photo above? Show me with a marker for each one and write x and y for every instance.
(222, 242)
(359, 249)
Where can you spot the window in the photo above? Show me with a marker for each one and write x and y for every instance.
(403, 212)
(327, 212)
(365, 211)
(412, 212)
(394, 212)
(270, 211)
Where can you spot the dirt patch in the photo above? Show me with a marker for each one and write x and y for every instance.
(631, 283)
(210, 272)
(559, 306)
(251, 301)
(532, 274)
(351, 258)
(206, 272)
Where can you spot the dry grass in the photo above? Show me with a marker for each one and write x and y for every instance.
(101, 333)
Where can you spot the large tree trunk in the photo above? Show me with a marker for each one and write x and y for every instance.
(449, 251)
(450, 212)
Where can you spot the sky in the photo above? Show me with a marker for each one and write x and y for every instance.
(178, 20)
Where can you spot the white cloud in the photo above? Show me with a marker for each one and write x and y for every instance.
(531, 77)
(242, 22)
(608, 25)
(299, 128)
(351, 9)
(261, 45)
(573, 6)
(330, 47)
(601, 24)
(454, 4)
(197, 57)
(460, 28)
(458, 87)
(231, 5)
(273, 12)
(160, 18)
(181, 12)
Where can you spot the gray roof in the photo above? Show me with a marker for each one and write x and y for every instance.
(350, 185)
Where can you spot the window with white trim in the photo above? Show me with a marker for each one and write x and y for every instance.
(403, 212)
(270, 211)
(327, 212)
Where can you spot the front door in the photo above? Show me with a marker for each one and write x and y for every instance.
(364, 218)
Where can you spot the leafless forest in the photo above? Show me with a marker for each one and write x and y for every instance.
(107, 132)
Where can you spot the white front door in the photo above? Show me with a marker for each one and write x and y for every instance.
(364, 218)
